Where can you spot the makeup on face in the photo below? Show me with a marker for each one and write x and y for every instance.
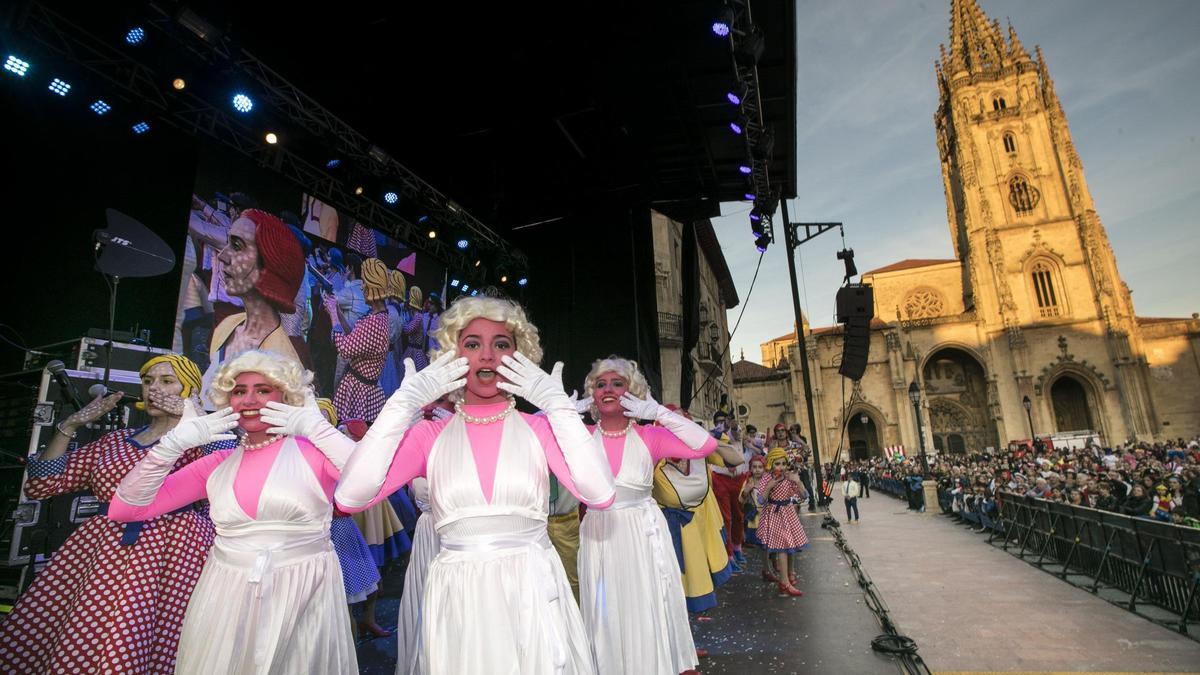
(607, 392)
(251, 393)
(483, 343)
(239, 258)
(159, 381)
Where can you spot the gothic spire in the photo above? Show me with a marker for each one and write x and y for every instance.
(975, 43)
(1015, 49)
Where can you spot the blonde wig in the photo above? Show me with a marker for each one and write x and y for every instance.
(376, 284)
(185, 369)
(416, 299)
(285, 373)
(397, 286)
(635, 382)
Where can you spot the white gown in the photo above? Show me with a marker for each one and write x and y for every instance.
(496, 597)
(270, 600)
(630, 590)
(425, 547)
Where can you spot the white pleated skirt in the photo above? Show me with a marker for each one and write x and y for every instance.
(277, 613)
(424, 549)
(498, 601)
(631, 594)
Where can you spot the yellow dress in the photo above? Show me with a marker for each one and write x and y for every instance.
(705, 564)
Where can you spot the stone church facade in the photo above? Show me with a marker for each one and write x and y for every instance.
(1032, 305)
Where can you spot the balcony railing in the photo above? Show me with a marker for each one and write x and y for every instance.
(670, 328)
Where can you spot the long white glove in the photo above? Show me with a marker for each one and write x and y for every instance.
(582, 405)
(142, 483)
(585, 459)
(693, 435)
(308, 421)
(367, 469)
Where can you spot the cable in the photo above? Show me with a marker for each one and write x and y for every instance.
(745, 303)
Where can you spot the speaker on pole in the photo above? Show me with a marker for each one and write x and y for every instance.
(855, 309)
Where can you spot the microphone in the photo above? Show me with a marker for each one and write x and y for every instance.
(58, 370)
(99, 389)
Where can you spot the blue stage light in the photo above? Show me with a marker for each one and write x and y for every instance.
(522, 281)
(333, 164)
(141, 128)
(720, 28)
(462, 244)
(135, 35)
(242, 103)
(422, 219)
(16, 66)
(454, 283)
(391, 197)
(745, 169)
(59, 87)
(749, 196)
(474, 293)
(735, 128)
(734, 98)
(465, 288)
(100, 107)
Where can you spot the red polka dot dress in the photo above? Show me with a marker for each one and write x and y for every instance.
(779, 525)
(365, 349)
(99, 606)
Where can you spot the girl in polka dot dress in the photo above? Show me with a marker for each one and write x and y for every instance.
(365, 348)
(112, 598)
(778, 491)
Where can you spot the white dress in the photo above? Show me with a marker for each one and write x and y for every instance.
(630, 590)
(270, 599)
(496, 598)
(425, 547)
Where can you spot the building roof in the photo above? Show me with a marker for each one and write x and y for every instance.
(748, 371)
(911, 263)
(1147, 320)
(789, 336)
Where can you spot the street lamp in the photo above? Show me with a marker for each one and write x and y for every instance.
(1029, 416)
(914, 395)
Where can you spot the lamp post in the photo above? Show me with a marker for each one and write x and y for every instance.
(1029, 416)
(914, 395)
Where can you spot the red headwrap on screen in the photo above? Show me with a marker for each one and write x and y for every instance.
(282, 260)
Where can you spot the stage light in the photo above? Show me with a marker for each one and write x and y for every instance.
(59, 87)
(16, 66)
(762, 243)
(242, 103)
(135, 35)
(454, 283)
(462, 244)
(745, 169)
(736, 128)
(522, 281)
(478, 262)
(391, 197)
(422, 219)
(333, 164)
(465, 288)
(739, 94)
(179, 83)
(271, 138)
(100, 107)
(749, 196)
(433, 234)
(474, 293)
(504, 279)
(846, 255)
(141, 128)
(723, 23)
(358, 190)
(755, 216)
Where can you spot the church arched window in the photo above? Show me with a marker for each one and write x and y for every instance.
(1022, 195)
(998, 103)
(1010, 143)
(1044, 291)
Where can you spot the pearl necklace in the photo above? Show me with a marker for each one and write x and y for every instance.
(615, 434)
(263, 444)
(492, 419)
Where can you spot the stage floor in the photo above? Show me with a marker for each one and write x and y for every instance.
(752, 630)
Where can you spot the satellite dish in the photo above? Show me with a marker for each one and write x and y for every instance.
(129, 249)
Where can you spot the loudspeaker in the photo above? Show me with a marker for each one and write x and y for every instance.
(855, 308)
(855, 300)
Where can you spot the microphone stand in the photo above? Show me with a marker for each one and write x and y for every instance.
(112, 316)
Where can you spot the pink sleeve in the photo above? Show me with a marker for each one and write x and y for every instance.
(327, 474)
(407, 463)
(178, 490)
(556, 461)
(663, 444)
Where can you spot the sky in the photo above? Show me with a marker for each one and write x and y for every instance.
(1127, 73)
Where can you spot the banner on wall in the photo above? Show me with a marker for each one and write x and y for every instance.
(267, 266)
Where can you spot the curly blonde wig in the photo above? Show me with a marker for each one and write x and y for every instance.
(397, 286)
(285, 373)
(376, 284)
(635, 382)
(466, 309)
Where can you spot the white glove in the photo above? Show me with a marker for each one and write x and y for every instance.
(308, 421)
(582, 405)
(195, 430)
(642, 409)
(440, 413)
(585, 459)
(141, 484)
(527, 380)
(367, 469)
(693, 435)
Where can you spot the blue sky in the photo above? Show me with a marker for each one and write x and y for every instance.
(1128, 75)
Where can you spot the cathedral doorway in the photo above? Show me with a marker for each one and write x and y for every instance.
(1072, 412)
(956, 387)
(863, 437)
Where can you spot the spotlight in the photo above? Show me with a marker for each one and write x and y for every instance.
(739, 94)
(474, 293)
(271, 138)
(757, 227)
(358, 190)
(433, 234)
(135, 35)
(723, 23)
(522, 281)
(16, 66)
(100, 107)
(762, 243)
(755, 216)
(179, 83)
(454, 283)
(391, 197)
(242, 103)
(504, 279)
(59, 87)
(737, 127)
(745, 168)
(749, 196)
(422, 219)
(333, 164)
(846, 255)
(141, 128)
(478, 262)
(462, 244)
(465, 288)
